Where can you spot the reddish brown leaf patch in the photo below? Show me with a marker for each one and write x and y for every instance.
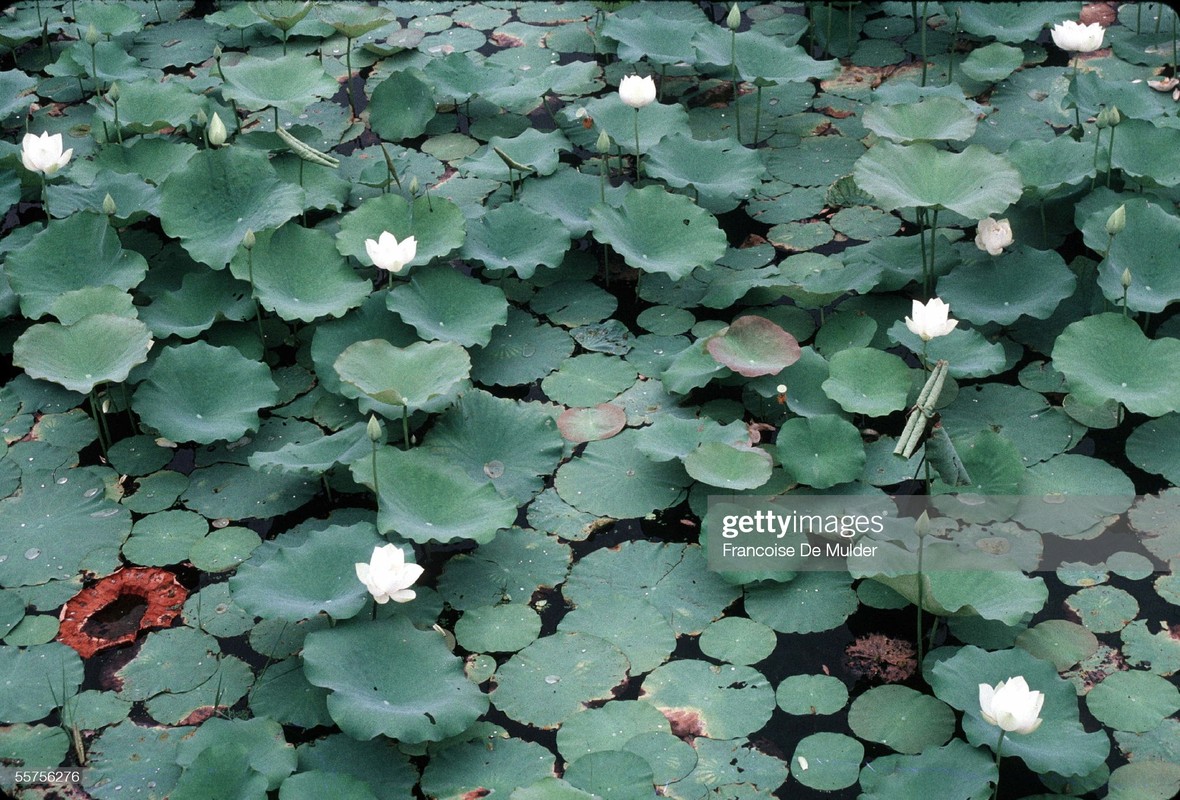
(878, 657)
(686, 722)
(115, 609)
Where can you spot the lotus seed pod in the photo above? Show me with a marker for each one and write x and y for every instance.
(1117, 221)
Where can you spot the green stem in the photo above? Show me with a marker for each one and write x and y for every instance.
(999, 755)
(374, 462)
(104, 434)
(933, 245)
(45, 198)
(348, 79)
(637, 147)
(914, 13)
(1110, 158)
(921, 217)
(405, 427)
(1077, 111)
(94, 70)
(254, 296)
(921, 582)
(1044, 227)
(758, 115)
(925, 6)
(737, 114)
(127, 408)
(1094, 177)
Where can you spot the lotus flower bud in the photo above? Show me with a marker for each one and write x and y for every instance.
(92, 37)
(637, 92)
(108, 205)
(248, 239)
(373, 429)
(414, 186)
(202, 117)
(1125, 279)
(603, 143)
(217, 132)
(217, 53)
(734, 19)
(1117, 221)
(113, 93)
(1115, 116)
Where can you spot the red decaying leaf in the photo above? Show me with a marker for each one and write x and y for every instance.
(162, 599)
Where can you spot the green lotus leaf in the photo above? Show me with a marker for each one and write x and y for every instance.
(1144, 780)
(174, 399)
(531, 152)
(635, 626)
(954, 770)
(805, 695)
(354, 21)
(969, 353)
(172, 660)
(80, 251)
(1046, 166)
(1059, 745)
(498, 629)
(234, 491)
(591, 424)
(668, 41)
(547, 682)
(444, 304)
(137, 757)
(513, 444)
(1103, 609)
(426, 376)
(521, 351)
(299, 274)
(868, 381)
(1107, 357)
(1003, 288)
(901, 718)
(514, 237)
(228, 756)
(421, 497)
(610, 114)
(821, 451)
(992, 63)
(599, 728)
(738, 641)
(1026, 418)
(508, 569)
(930, 118)
(288, 83)
(724, 702)
(753, 346)
(568, 195)
(721, 172)
(772, 60)
(316, 784)
(728, 467)
(149, 105)
(164, 538)
(317, 456)
(230, 683)
(297, 582)
(401, 106)
(435, 223)
(588, 380)
(974, 183)
(38, 679)
(1146, 150)
(612, 478)
(572, 303)
(611, 773)
(1153, 447)
(14, 89)
(1060, 641)
(365, 665)
(464, 769)
(220, 194)
(50, 528)
(811, 602)
(384, 769)
(1013, 23)
(656, 231)
(94, 350)
(1144, 248)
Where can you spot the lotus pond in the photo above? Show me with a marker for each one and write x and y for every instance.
(470, 308)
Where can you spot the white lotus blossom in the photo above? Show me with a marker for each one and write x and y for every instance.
(387, 576)
(1011, 705)
(993, 235)
(637, 92)
(930, 319)
(1074, 36)
(43, 153)
(389, 254)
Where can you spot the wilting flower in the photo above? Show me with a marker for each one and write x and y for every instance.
(387, 253)
(1070, 35)
(1011, 705)
(637, 92)
(993, 235)
(931, 319)
(43, 153)
(387, 576)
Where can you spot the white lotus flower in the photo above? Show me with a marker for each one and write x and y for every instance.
(637, 92)
(993, 235)
(217, 131)
(931, 319)
(1070, 35)
(387, 576)
(43, 153)
(387, 253)
(1011, 705)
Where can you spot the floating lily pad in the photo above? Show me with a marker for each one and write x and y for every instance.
(1063, 642)
(868, 381)
(992, 63)
(934, 117)
(902, 719)
(468, 768)
(955, 770)
(591, 424)
(1023, 282)
(498, 629)
(655, 231)
(1146, 780)
(729, 467)
(821, 451)
(212, 201)
(234, 491)
(548, 681)
(437, 225)
(974, 182)
(173, 660)
(1133, 700)
(635, 626)
(1151, 232)
(572, 303)
(753, 346)
(287, 83)
(38, 679)
(701, 699)
(364, 664)
(599, 729)
(520, 351)
(804, 695)
(284, 695)
(811, 602)
(738, 641)
(515, 237)
(510, 568)
(721, 172)
(827, 761)
(133, 757)
(612, 478)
